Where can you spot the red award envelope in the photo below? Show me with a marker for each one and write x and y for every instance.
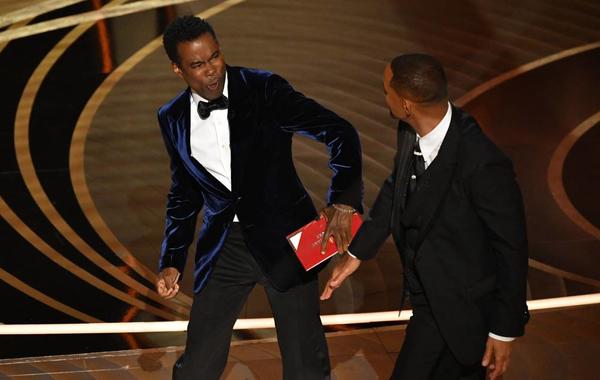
(306, 241)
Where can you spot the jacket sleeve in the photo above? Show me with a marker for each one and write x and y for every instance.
(377, 225)
(296, 113)
(497, 200)
(184, 202)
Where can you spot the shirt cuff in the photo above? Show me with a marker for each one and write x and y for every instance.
(501, 338)
(351, 255)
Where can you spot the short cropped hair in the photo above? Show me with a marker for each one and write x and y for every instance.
(184, 29)
(420, 76)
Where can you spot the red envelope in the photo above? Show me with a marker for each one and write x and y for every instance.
(306, 241)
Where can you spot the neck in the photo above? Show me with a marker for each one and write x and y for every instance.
(426, 118)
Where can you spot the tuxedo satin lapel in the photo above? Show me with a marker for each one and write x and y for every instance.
(182, 125)
(406, 142)
(180, 122)
(241, 104)
(433, 185)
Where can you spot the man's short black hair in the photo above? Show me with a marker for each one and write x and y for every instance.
(183, 29)
(420, 76)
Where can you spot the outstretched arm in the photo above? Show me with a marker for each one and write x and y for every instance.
(369, 238)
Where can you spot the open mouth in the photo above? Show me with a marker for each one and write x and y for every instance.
(213, 86)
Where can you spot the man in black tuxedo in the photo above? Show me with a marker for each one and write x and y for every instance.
(229, 137)
(456, 215)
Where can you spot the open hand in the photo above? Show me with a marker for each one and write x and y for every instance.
(496, 358)
(344, 268)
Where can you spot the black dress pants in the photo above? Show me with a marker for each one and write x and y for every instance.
(215, 309)
(425, 355)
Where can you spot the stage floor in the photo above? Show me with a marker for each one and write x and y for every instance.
(559, 345)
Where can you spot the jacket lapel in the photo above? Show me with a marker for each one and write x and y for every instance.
(432, 188)
(406, 142)
(182, 131)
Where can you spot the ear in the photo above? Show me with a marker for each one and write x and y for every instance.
(407, 107)
(177, 70)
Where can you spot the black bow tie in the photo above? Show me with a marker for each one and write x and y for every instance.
(204, 108)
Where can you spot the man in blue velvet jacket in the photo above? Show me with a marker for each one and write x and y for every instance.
(229, 138)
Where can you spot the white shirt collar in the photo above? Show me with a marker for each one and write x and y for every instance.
(197, 98)
(431, 142)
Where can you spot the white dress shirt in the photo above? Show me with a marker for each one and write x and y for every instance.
(430, 143)
(209, 140)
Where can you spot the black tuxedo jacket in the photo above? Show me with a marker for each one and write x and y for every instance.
(471, 246)
(267, 195)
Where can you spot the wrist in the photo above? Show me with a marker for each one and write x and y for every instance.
(501, 338)
(343, 208)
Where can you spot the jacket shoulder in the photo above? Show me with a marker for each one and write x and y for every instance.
(250, 76)
(173, 105)
(476, 148)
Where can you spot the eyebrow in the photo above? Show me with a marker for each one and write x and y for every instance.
(214, 53)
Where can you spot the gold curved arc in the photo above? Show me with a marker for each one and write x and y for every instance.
(563, 273)
(77, 150)
(555, 175)
(494, 82)
(30, 236)
(27, 169)
(43, 298)
(14, 26)
(34, 10)
(86, 17)
(77, 168)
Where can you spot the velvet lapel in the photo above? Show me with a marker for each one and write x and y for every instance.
(182, 125)
(241, 105)
(434, 183)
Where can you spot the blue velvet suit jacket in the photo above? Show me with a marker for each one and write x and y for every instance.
(267, 195)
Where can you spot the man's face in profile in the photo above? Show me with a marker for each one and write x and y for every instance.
(202, 66)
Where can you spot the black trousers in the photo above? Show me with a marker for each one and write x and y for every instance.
(425, 355)
(215, 309)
